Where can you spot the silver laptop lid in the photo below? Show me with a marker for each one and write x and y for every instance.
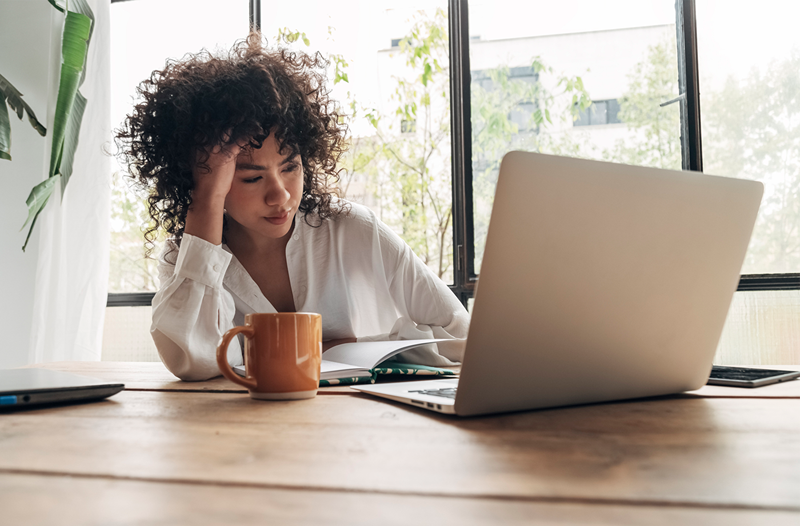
(602, 281)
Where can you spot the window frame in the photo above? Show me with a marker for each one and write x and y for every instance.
(464, 277)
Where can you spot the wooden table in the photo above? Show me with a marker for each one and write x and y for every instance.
(168, 452)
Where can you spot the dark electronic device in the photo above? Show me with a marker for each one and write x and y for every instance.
(20, 388)
(748, 377)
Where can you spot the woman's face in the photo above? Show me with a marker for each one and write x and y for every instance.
(266, 191)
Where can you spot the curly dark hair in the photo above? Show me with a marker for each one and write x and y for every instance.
(239, 97)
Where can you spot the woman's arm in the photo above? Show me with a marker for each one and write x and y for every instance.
(191, 310)
(425, 306)
(429, 308)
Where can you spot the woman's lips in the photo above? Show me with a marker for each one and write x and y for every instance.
(279, 219)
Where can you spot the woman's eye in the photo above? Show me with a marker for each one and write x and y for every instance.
(291, 167)
(252, 179)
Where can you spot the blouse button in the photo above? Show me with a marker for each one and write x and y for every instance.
(216, 268)
(296, 237)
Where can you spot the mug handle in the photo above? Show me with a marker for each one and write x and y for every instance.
(222, 357)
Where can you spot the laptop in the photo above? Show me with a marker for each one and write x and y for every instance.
(599, 282)
(20, 388)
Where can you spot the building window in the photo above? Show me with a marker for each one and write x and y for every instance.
(599, 112)
(408, 126)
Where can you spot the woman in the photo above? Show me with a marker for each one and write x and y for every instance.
(239, 154)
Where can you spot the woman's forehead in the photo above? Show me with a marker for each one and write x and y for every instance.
(270, 150)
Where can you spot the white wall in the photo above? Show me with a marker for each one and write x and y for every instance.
(25, 41)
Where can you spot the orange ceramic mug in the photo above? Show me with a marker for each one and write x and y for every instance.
(282, 355)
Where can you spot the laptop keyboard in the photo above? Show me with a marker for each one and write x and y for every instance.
(445, 392)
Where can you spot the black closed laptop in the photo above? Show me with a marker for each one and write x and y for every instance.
(20, 388)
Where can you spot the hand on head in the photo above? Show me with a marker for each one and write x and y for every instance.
(214, 167)
(213, 171)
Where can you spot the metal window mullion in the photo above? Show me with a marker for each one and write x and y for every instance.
(689, 85)
(130, 299)
(762, 282)
(461, 151)
(255, 15)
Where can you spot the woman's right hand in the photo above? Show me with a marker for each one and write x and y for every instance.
(212, 182)
(214, 176)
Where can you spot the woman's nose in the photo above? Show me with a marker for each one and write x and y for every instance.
(276, 192)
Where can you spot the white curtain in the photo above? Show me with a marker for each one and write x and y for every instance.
(72, 271)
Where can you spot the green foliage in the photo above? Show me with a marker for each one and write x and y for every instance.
(290, 37)
(410, 154)
(11, 96)
(546, 102)
(70, 105)
(751, 129)
(655, 129)
(406, 166)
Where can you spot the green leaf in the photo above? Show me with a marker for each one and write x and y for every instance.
(71, 140)
(14, 99)
(77, 28)
(56, 5)
(75, 38)
(36, 202)
(426, 74)
(5, 131)
(82, 7)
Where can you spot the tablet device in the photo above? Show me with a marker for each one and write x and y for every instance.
(748, 377)
(20, 388)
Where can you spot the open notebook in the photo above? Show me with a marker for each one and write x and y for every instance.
(362, 362)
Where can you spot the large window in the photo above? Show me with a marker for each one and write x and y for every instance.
(388, 71)
(751, 117)
(436, 92)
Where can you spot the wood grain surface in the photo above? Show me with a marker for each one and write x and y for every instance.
(35, 500)
(715, 452)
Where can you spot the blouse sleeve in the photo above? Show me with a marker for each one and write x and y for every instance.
(427, 307)
(191, 310)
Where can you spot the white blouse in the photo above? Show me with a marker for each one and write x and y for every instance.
(352, 269)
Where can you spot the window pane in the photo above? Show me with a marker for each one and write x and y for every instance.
(763, 328)
(143, 37)
(595, 75)
(126, 335)
(390, 73)
(749, 57)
